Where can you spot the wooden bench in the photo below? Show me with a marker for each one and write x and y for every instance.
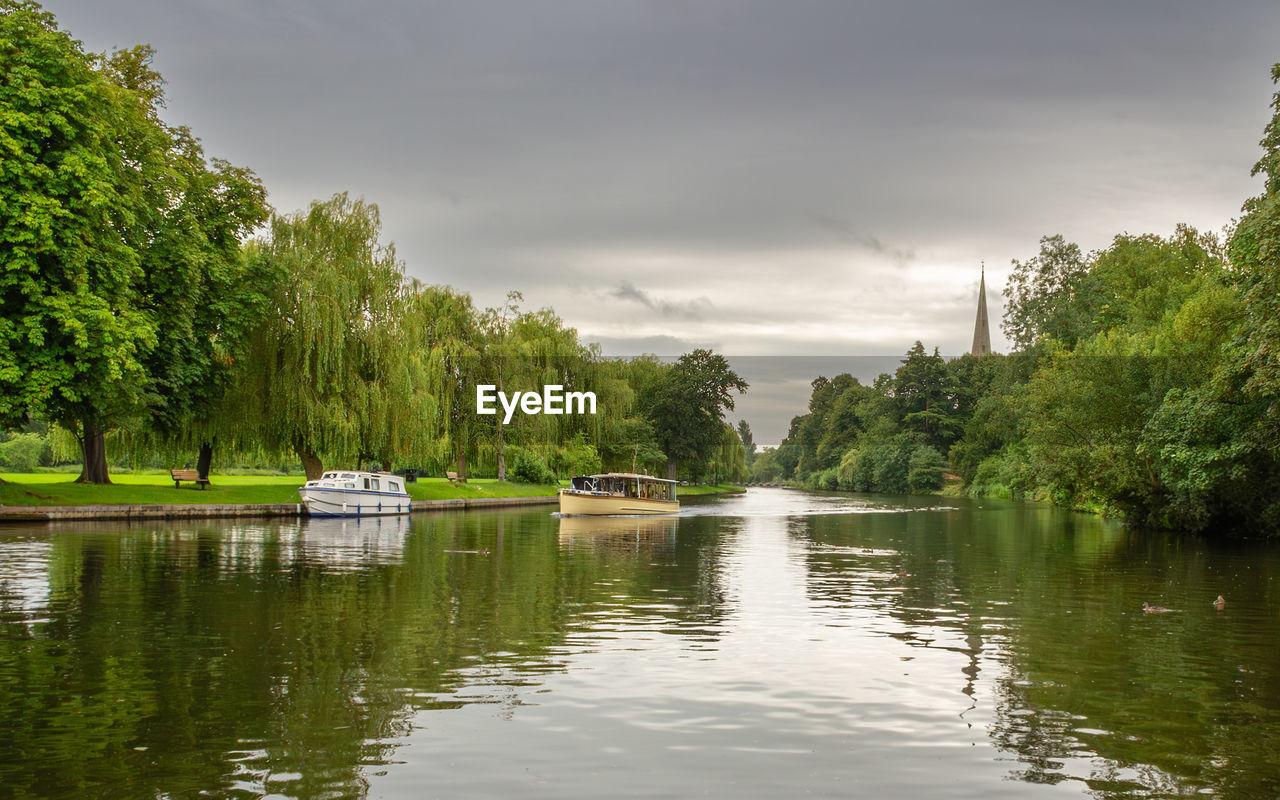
(189, 475)
(452, 477)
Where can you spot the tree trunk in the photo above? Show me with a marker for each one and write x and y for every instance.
(93, 449)
(310, 461)
(462, 465)
(502, 455)
(204, 460)
(671, 469)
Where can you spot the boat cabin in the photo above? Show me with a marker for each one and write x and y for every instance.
(361, 481)
(622, 484)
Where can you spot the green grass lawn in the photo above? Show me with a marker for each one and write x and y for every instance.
(60, 489)
(48, 489)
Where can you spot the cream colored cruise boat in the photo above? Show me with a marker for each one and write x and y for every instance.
(619, 493)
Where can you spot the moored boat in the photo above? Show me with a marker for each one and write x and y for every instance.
(619, 493)
(343, 493)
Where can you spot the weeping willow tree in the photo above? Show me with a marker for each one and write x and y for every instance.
(335, 371)
(503, 362)
(729, 460)
(524, 352)
(450, 341)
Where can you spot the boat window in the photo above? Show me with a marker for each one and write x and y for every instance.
(393, 486)
(350, 484)
(329, 475)
(346, 475)
(374, 481)
(366, 483)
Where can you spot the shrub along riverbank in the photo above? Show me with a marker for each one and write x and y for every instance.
(52, 489)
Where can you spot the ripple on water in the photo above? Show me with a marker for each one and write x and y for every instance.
(756, 646)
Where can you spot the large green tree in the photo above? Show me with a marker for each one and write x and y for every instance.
(118, 241)
(748, 441)
(80, 154)
(453, 340)
(198, 286)
(1047, 295)
(925, 396)
(337, 369)
(1255, 253)
(687, 407)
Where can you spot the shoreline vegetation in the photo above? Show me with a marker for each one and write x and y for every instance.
(159, 313)
(156, 488)
(1144, 384)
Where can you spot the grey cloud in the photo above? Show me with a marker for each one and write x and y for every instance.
(539, 146)
(901, 256)
(664, 346)
(694, 309)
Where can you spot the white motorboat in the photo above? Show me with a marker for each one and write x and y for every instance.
(355, 494)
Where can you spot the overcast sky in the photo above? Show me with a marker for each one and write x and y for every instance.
(768, 178)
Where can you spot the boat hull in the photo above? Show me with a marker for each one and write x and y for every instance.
(322, 502)
(586, 504)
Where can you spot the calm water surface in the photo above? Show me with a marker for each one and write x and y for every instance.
(776, 644)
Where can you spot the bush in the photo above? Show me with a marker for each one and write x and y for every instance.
(827, 480)
(23, 452)
(1004, 474)
(924, 469)
(528, 468)
(894, 466)
(578, 457)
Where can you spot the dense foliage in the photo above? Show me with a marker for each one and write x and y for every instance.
(1145, 383)
(119, 241)
(139, 314)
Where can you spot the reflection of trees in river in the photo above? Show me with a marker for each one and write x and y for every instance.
(1088, 687)
(254, 658)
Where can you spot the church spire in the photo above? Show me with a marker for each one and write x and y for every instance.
(981, 329)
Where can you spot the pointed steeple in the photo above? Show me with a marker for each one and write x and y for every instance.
(981, 329)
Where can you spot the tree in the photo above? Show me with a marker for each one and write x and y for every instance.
(924, 470)
(118, 240)
(1255, 253)
(687, 407)
(748, 443)
(197, 280)
(765, 468)
(80, 152)
(337, 367)
(924, 394)
(449, 333)
(543, 351)
(502, 360)
(1047, 295)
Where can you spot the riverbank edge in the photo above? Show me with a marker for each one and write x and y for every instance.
(215, 510)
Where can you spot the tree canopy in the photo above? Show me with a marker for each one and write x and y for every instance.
(687, 407)
(114, 230)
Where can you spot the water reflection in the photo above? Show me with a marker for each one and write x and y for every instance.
(752, 646)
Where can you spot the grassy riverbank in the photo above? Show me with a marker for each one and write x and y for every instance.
(28, 489)
(60, 489)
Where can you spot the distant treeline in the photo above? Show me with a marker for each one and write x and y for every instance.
(1145, 382)
(156, 306)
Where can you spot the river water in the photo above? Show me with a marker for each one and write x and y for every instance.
(776, 644)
